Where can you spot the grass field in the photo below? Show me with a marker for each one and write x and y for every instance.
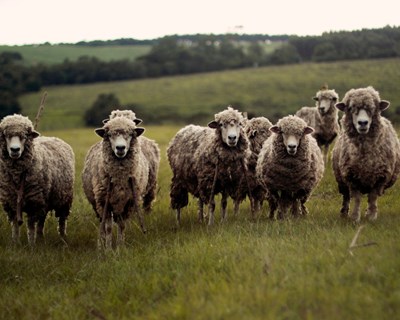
(292, 269)
(269, 91)
(53, 54)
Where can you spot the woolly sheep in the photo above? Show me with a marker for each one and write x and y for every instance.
(123, 113)
(36, 176)
(323, 118)
(257, 131)
(290, 165)
(209, 160)
(119, 173)
(366, 157)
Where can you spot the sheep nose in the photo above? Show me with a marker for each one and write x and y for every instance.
(15, 149)
(363, 123)
(232, 137)
(120, 148)
(292, 146)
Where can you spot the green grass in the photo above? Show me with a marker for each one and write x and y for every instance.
(269, 91)
(53, 54)
(292, 269)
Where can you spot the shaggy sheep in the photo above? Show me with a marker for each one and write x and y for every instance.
(209, 160)
(290, 165)
(323, 118)
(366, 157)
(118, 174)
(257, 131)
(36, 176)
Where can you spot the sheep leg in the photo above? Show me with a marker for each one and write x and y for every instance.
(108, 232)
(20, 198)
(40, 228)
(62, 226)
(295, 208)
(356, 195)
(272, 198)
(372, 211)
(200, 210)
(178, 216)
(283, 204)
(211, 209)
(31, 230)
(344, 211)
(236, 207)
(224, 203)
(15, 229)
(105, 217)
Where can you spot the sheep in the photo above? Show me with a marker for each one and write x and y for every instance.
(290, 165)
(366, 157)
(120, 172)
(257, 131)
(209, 160)
(36, 176)
(323, 118)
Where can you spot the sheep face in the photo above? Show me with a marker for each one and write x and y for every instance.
(325, 100)
(230, 131)
(15, 142)
(119, 132)
(291, 135)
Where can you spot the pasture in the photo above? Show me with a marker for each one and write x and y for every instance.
(239, 269)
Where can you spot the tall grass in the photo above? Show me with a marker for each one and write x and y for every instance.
(292, 269)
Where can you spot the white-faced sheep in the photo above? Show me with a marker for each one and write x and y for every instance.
(257, 131)
(323, 118)
(117, 176)
(366, 157)
(209, 160)
(36, 176)
(290, 165)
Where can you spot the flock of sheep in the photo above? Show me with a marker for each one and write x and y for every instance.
(233, 156)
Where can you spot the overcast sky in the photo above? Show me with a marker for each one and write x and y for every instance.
(39, 21)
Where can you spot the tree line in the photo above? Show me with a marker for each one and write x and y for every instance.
(175, 54)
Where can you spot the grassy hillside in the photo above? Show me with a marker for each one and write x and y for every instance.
(269, 91)
(292, 269)
(53, 54)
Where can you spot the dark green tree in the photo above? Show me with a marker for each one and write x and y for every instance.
(101, 109)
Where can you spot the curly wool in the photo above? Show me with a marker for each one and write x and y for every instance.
(193, 155)
(369, 161)
(49, 166)
(102, 166)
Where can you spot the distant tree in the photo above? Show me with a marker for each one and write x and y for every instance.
(8, 104)
(101, 109)
(284, 55)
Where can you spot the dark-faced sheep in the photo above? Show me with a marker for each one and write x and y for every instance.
(36, 176)
(366, 157)
(116, 176)
(290, 165)
(209, 160)
(323, 118)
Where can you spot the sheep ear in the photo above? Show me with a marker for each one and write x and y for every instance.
(253, 133)
(213, 124)
(308, 130)
(383, 105)
(137, 121)
(315, 98)
(34, 134)
(341, 106)
(275, 129)
(100, 132)
(105, 121)
(139, 131)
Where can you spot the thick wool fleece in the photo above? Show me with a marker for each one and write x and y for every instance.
(371, 161)
(193, 155)
(132, 171)
(326, 126)
(48, 164)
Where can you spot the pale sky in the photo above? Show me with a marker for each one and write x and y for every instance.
(54, 21)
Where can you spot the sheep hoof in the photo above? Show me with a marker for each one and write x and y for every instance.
(371, 215)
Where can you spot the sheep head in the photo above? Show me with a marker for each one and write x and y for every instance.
(229, 125)
(292, 129)
(362, 106)
(325, 99)
(119, 132)
(17, 131)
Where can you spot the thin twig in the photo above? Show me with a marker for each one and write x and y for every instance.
(40, 110)
(354, 244)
